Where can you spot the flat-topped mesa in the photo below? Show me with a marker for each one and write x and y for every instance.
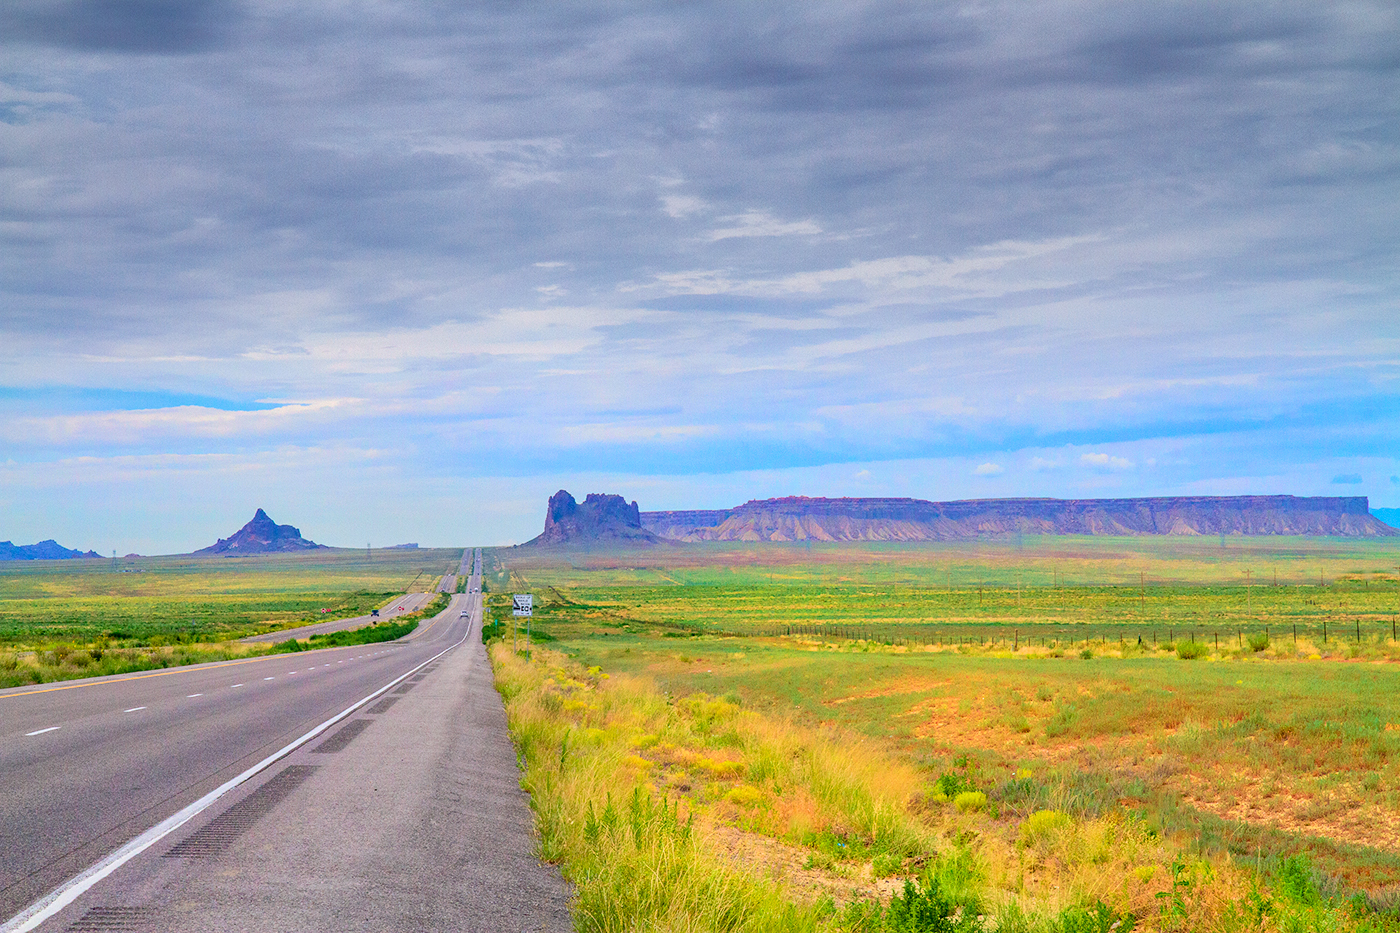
(261, 536)
(798, 518)
(599, 519)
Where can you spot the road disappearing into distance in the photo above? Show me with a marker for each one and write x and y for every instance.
(370, 787)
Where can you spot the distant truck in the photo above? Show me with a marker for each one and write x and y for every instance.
(374, 613)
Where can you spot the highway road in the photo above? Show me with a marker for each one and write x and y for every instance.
(363, 788)
(398, 606)
(449, 581)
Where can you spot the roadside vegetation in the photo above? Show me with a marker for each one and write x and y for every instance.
(61, 620)
(688, 774)
(371, 634)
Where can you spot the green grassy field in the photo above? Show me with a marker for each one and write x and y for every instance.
(204, 598)
(65, 619)
(1263, 759)
(1065, 589)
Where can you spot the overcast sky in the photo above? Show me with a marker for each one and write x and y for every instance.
(398, 271)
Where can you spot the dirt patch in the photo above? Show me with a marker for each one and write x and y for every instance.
(787, 865)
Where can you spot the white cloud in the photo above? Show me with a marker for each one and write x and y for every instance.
(1105, 463)
(989, 469)
(760, 223)
(681, 206)
(1042, 465)
(580, 434)
(131, 427)
(985, 271)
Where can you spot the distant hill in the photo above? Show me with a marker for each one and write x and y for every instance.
(599, 519)
(798, 518)
(1390, 516)
(44, 550)
(261, 536)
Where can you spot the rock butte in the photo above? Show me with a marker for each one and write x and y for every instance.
(600, 518)
(261, 536)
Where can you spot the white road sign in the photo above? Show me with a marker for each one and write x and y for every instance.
(524, 604)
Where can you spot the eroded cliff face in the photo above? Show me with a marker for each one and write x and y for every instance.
(797, 518)
(600, 518)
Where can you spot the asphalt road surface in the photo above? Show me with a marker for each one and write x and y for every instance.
(402, 812)
(398, 606)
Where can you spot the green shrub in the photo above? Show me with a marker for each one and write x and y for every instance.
(1190, 650)
(1087, 654)
(1044, 823)
(1296, 882)
(1258, 641)
(887, 865)
(1100, 918)
(927, 909)
(950, 784)
(970, 801)
(744, 796)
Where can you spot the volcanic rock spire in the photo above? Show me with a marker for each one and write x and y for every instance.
(261, 536)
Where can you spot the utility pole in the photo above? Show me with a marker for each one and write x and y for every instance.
(1248, 593)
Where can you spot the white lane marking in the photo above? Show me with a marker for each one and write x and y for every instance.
(191, 696)
(269, 678)
(75, 887)
(238, 685)
(134, 709)
(42, 731)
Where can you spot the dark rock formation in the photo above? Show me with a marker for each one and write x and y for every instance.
(599, 519)
(44, 550)
(261, 536)
(797, 518)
